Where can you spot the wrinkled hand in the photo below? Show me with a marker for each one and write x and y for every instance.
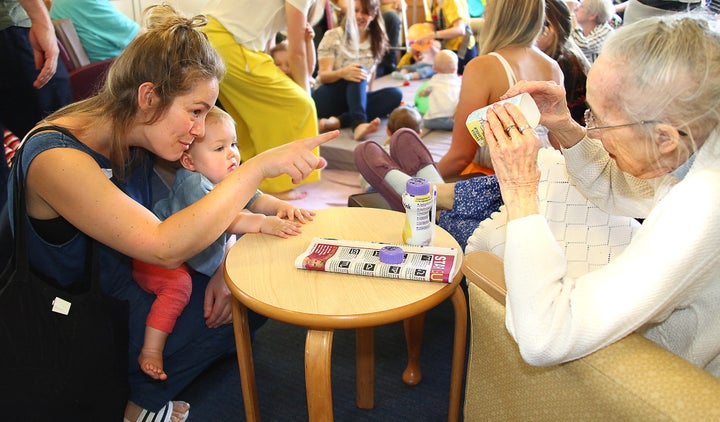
(279, 227)
(296, 159)
(292, 213)
(550, 99)
(514, 149)
(354, 73)
(217, 309)
(45, 50)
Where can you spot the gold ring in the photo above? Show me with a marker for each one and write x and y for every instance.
(507, 129)
(523, 128)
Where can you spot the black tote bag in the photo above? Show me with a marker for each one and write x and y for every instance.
(63, 355)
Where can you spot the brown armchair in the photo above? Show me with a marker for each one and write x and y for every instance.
(633, 379)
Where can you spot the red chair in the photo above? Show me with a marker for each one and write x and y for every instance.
(85, 78)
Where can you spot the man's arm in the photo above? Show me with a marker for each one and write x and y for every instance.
(42, 41)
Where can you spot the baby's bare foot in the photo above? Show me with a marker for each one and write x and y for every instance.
(364, 129)
(152, 364)
(326, 125)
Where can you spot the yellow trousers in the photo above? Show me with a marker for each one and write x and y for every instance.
(269, 108)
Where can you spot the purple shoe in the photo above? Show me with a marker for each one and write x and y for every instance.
(374, 163)
(409, 151)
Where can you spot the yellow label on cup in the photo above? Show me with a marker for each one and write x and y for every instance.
(477, 118)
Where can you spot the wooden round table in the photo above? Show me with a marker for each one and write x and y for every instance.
(261, 275)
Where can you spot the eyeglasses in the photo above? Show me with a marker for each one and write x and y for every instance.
(591, 122)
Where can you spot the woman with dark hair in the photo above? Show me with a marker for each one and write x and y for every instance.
(347, 58)
(556, 42)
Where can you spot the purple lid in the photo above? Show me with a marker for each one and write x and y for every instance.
(391, 255)
(417, 186)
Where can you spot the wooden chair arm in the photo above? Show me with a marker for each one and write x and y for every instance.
(485, 270)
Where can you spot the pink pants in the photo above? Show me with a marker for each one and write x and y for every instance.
(172, 288)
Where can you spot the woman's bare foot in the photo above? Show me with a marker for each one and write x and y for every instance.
(291, 195)
(179, 411)
(326, 125)
(151, 363)
(364, 129)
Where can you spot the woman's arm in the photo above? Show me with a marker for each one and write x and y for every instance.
(475, 93)
(327, 75)
(297, 48)
(107, 214)
(456, 30)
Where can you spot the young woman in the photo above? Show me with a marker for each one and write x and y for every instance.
(87, 175)
(508, 55)
(269, 109)
(346, 69)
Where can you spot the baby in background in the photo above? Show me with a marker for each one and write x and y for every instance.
(205, 164)
(422, 65)
(279, 54)
(442, 92)
(401, 117)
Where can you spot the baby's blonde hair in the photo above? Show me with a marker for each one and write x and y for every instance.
(446, 61)
(218, 114)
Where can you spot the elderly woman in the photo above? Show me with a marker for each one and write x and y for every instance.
(650, 150)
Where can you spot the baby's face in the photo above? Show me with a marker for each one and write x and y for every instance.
(216, 154)
(281, 60)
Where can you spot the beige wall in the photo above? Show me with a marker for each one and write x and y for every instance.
(134, 8)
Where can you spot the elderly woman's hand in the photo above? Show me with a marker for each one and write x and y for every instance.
(513, 148)
(554, 112)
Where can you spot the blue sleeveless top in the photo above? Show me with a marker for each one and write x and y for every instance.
(65, 263)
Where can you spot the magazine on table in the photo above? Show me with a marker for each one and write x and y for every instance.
(422, 263)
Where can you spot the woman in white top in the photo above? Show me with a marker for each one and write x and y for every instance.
(651, 149)
(268, 108)
(346, 69)
(508, 54)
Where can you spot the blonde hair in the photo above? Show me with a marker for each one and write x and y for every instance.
(511, 22)
(662, 78)
(446, 61)
(281, 46)
(172, 54)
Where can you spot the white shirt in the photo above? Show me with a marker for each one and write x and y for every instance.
(444, 95)
(254, 23)
(665, 284)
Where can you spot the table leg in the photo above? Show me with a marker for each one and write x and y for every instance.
(365, 367)
(458, 359)
(318, 352)
(413, 338)
(245, 360)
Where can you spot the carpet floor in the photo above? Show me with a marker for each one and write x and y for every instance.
(278, 351)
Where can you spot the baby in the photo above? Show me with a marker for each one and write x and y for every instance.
(206, 163)
(279, 54)
(442, 91)
(422, 66)
(401, 117)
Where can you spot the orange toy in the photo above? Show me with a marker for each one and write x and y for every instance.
(417, 36)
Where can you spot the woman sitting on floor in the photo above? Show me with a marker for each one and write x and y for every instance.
(347, 58)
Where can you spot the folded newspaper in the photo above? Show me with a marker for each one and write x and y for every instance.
(422, 263)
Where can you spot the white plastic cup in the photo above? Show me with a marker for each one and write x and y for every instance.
(477, 118)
